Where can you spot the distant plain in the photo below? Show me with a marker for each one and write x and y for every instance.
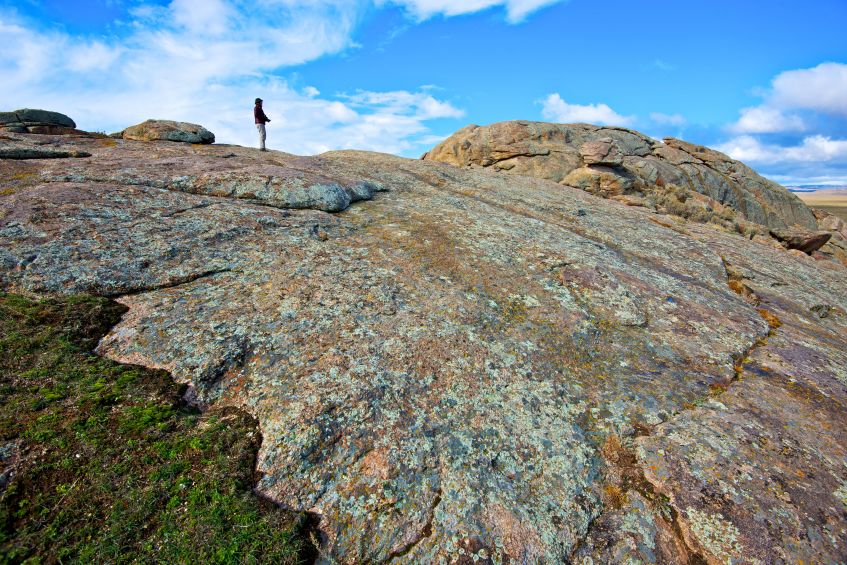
(833, 201)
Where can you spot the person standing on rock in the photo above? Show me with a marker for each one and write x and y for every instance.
(261, 119)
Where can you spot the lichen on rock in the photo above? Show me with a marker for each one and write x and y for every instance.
(436, 371)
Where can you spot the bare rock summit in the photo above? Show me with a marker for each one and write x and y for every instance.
(673, 176)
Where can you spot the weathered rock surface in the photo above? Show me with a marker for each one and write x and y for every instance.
(605, 151)
(471, 366)
(282, 181)
(14, 146)
(802, 240)
(168, 130)
(36, 121)
(836, 247)
(558, 151)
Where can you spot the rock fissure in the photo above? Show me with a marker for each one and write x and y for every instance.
(171, 283)
(624, 473)
(425, 532)
(627, 489)
(189, 209)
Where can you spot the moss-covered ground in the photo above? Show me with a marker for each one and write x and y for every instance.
(103, 462)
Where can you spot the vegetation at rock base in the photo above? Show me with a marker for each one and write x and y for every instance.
(108, 465)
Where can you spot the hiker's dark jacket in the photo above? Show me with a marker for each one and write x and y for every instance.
(259, 115)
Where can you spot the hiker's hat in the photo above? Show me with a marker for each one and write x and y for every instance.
(259, 100)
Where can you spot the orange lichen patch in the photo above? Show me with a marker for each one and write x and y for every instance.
(614, 496)
(661, 223)
(375, 464)
(735, 281)
(612, 449)
(773, 321)
(738, 287)
(717, 388)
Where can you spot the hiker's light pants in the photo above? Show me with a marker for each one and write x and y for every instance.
(262, 135)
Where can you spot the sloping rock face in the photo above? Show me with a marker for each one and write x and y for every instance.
(14, 146)
(168, 130)
(470, 367)
(36, 121)
(576, 155)
(281, 181)
(836, 246)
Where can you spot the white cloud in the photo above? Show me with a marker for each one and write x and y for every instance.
(813, 149)
(557, 110)
(811, 180)
(422, 105)
(516, 10)
(391, 122)
(95, 56)
(764, 119)
(668, 119)
(205, 61)
(202, 16)
(821, 89)
(812, 101)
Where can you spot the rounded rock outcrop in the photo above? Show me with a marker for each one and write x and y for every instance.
(28, 120)
(168, 130)
(564, 152)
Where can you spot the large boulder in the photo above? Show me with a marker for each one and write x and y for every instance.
(801, 240)
(554, 151)
(168, 130)
(27, 120)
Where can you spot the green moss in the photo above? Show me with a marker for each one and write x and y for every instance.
(109, 465)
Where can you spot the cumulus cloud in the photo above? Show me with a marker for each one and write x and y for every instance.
(557, 110)
(204, 61)
(818, 90)
(798, 131)
(764, 119)
(813, 149)
(814, 160)
(821, 89)
(516, 10)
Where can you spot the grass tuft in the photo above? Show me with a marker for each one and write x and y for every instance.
(108, 465)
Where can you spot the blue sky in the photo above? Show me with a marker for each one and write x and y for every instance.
(765, 81)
